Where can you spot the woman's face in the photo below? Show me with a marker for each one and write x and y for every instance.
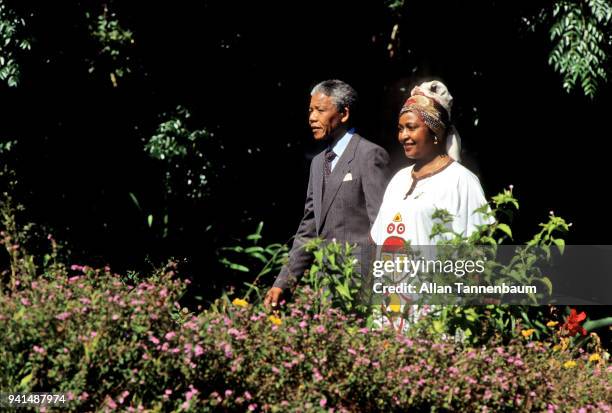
(415, 137)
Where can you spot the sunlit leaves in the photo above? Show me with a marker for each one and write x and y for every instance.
(582, 34)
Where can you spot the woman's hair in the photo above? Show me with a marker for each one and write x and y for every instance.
(341, 93)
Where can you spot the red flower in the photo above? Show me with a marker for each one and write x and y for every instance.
(572, 324)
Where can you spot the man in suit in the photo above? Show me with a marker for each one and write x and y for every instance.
(346, 184)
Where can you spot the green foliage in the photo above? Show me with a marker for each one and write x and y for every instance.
(583, 36)
(114, 42)
(121, 343)
(111, 346)
(395, 5)
(67, 333)
(184, 155)
(13, 238)
(175, 144)
(12, 42)
(249, 255)
(334, 277)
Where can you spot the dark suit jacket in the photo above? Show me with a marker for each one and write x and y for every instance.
(348, 208)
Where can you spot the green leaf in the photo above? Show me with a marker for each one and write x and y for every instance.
(505, 228)
(26, 380)
(546, 281)
(135, 200)
(560, 243)
(594, 324)
(238, 267)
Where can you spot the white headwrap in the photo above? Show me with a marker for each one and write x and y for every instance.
(438, 92)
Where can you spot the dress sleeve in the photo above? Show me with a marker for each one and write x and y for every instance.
(471, 197)
(378, 225)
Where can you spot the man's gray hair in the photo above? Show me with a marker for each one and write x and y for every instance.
(341, 93)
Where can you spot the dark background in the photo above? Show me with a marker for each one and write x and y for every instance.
(245, 70)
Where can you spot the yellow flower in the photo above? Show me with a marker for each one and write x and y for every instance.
(275, 320)
(552, 323)
(556, 347)
(395, 303)
(569, 364)
(239, 302)
(564, 343)
(594, 357)
(528, 332)
(396, 308)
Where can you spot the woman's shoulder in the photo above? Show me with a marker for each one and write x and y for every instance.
(463, 174)
(403, 173)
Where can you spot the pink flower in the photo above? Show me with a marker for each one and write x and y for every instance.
(38, 349)
(323, 402)
(192, 392)
(115, 317)
(247, 395)
(352, 351)
(252, 407)
(154, 340)
(191, 325)
(122, 397)
(228, 393)
(93, 333)
(320, 329)
(84, 396)
(63, 315)
(25, 301)
(303, 324)
(198, 350)
(169, 336)
(111, 403)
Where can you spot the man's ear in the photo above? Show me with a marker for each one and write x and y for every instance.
(345, 115)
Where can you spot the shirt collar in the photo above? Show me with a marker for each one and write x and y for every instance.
(343, 142)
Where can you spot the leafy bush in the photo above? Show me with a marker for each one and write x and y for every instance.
(113, 346)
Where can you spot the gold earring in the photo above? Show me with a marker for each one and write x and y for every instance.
(435, 140)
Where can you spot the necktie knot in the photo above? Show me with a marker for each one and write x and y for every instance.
(329, 157)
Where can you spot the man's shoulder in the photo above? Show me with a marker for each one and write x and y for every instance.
(367, 145)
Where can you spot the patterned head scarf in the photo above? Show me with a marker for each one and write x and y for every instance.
(432, 103)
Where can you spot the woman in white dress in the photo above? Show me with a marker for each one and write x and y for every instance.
(436, 180)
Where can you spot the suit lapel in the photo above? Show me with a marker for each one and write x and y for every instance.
(332, 185)
(317, 169)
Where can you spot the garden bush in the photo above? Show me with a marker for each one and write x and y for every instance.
(113, 346)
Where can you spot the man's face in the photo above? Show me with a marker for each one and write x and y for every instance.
(324, 118)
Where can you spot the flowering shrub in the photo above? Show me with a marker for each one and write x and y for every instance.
(90, 336)
(112, 346)
(113, 343)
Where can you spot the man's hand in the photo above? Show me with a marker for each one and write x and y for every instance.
(273, 297)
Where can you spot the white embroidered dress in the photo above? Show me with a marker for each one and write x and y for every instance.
(454, 188)
(406, 215)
